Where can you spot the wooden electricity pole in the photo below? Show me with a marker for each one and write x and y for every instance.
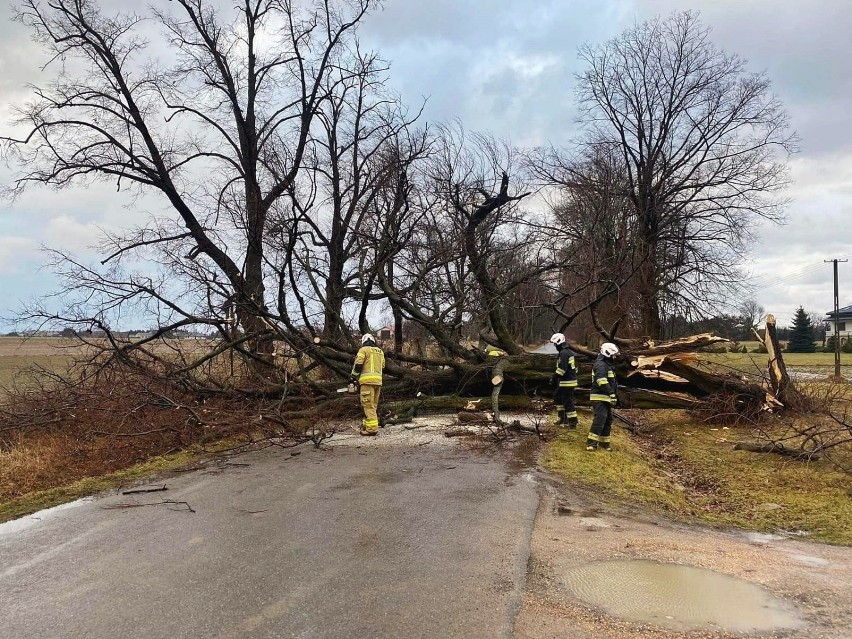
(836, 319)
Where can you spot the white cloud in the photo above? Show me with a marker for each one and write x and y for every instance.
(508, 67)
(17, 254)
(68, 234)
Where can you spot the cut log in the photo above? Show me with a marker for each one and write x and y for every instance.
(406, 417)
(497, 383)
(777, 448)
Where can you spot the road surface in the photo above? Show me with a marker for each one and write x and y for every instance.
(367, 539)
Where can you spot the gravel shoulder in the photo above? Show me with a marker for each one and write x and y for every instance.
(569, 532)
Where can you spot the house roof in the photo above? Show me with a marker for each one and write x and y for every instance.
(845, 311)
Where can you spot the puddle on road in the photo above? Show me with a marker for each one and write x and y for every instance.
(679, 597)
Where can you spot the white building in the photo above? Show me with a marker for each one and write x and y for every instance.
(844, 322)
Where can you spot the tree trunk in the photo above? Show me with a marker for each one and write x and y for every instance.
(778, 377)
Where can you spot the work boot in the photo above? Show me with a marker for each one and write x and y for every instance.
(560, 419)
(368, 433)
(572, 423)
(591, 445)
(606, 446)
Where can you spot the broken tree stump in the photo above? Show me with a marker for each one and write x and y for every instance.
(782, 386)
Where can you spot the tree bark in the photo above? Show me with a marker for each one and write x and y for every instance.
(778, 377)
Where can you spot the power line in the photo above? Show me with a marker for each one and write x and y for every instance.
(772, 282)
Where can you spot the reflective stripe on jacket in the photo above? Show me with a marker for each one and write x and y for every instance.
(372, 359)
(566, 368)
(604, 383)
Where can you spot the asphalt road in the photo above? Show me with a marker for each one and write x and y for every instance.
(415, 539)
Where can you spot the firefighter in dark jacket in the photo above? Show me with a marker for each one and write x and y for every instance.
(565, 381)
(603, 397)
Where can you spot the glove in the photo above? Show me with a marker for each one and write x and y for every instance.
(614, 398)
(554, 380)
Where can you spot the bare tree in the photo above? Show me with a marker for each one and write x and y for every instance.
(219, 125)
(702, 145)
(752, 314)
(595, 231)
(455, 270)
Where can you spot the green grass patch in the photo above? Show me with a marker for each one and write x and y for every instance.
(623, 472)
(745, 361)
(688, 471)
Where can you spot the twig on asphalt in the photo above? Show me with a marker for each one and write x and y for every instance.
(136, 491)
(155, 503)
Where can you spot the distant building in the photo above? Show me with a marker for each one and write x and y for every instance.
(386, 333)
(843, 320)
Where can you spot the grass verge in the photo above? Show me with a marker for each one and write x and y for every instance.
(38, 500)
(690, 472)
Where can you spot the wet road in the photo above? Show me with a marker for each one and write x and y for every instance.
(402, 540)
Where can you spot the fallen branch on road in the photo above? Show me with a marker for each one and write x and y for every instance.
(136, 491)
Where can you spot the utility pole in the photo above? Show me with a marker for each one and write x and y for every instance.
(836, 318)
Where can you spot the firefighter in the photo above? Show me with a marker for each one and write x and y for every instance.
(603, 397)
(565, 381)
(367, 374)
(493, 351)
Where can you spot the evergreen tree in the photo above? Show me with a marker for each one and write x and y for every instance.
(802, 334)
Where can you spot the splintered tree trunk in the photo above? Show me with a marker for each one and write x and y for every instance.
(778, 376)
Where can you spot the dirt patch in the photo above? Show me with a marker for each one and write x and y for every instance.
(811, 578)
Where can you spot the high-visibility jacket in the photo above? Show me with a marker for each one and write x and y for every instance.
(368, 365)
(493, 351)
(604, 383)
(566, 368)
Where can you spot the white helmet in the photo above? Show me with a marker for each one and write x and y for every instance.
(366, 337)
(608, 349)
(557, 339)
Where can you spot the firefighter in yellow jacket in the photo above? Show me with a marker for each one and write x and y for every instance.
(367, 373)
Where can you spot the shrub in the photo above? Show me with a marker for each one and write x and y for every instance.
(760, 349)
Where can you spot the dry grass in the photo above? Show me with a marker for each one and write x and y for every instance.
(34, 501)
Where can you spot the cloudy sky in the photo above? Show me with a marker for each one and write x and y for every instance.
(508, 67)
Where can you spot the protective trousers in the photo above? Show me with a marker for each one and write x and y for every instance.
(369, 404)
(601, 425)
(565, 409)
